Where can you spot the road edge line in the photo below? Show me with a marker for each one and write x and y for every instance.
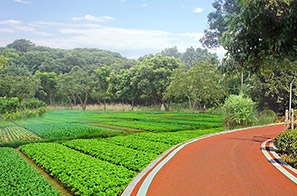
(267, 149)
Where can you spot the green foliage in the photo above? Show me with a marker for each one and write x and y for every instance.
(239, 111)
(216, 21)
(119, 155)
(17, 177)
(8, 104)
(56, 130)
(286, 142)
(10, 134)
(33, 103)
(200, 85)
(85, 175)
(139, 144)
(266, 117)
(261, 31)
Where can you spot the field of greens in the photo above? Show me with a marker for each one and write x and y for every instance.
(13, 133)
(105, 165)
(17, 177)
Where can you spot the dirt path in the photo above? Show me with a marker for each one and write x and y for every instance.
(229, 164)
(58, 186)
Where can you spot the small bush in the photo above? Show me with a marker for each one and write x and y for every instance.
(8, 104)
(267, 117)
(33, 103)
(286, 143)
(239, 111)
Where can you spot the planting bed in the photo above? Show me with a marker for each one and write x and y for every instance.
(17, 177)
(10, 134)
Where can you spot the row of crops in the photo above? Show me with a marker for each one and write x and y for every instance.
(17, 177)
(103, 166)
(10, 134)
(77, 124)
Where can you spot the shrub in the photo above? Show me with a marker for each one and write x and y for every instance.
(33, 103)
(239, 111)
(286, 143)
(8, 104)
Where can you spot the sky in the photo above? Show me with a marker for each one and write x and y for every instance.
(132, 28)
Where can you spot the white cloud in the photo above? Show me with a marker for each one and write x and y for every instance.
(198, 10)
(145, 5)
(89, 17)
(10, 22)
(128, 42)
(23, 2)
(6, 30)
(16, 26)
(46, 24)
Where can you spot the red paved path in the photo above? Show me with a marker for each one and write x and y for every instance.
(230, 164)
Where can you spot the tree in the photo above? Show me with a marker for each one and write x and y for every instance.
(84, 82)
(217, 22)
(154, 75)
(48, 83)
(21, 45)
(66, 87)
(171, 52)
(3, 62)
(17, 82)
(125, 87)
(262, 30)
(102, 77)
(200, 84)
(191, 56)
(272, 89)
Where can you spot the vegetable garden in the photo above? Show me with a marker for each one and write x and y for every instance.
(104, 166)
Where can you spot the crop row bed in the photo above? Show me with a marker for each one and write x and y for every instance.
(131, 159)
(57, 130)
(11, 134)
(17, 177)
(83, 174)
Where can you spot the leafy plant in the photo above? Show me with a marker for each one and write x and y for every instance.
(239, 111)
(17, 177)
(286, 142)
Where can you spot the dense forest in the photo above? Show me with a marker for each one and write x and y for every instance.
(260, 68)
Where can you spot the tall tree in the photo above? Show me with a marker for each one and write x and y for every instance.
(217, 23)
(102, 77)
(21, 45)
(200, 85)
(262, 30)
(84, 82)
(154, 75)
(17, 82)
(171, 52)
(48, 82)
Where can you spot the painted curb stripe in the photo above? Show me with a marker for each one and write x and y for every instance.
(148, 180)
(280, 166)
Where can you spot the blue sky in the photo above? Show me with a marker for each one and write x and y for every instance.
(131, 27)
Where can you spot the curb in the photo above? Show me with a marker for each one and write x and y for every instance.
(147, 175)
(268, 149)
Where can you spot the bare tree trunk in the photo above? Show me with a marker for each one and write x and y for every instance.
(81, 102)
(85, 102)
(132, 103)
(242, 80)
(164, 104)
(190, 105)
(21, 108)
(104, 101)
(70, 102)
(194, 105)
(51, 99)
